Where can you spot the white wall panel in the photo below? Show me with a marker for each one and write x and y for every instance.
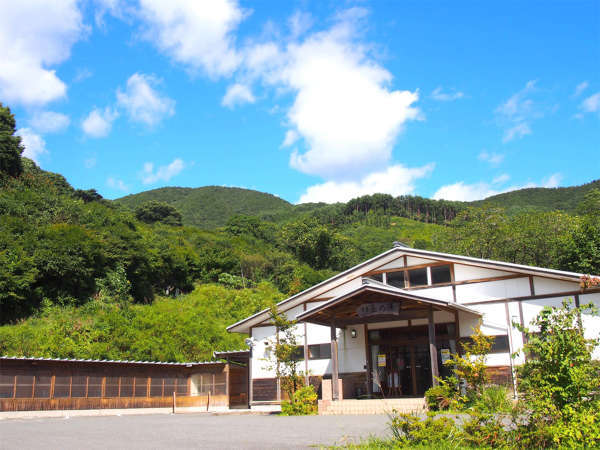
(261, 358)
(531, 308)
(342, 289)
(498, 359)
(464, 272)
(351, 351)
(317, 334)
(396, 264)
(591, 323)
(392, 324)
(436, 293)
(548, 286)
(493, 290)
(413, 261)
(517, 337)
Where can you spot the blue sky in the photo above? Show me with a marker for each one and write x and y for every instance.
(311, 101)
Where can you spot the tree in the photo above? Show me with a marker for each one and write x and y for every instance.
(10, 144)
(287, 353)
(153, 211)
(590, 205)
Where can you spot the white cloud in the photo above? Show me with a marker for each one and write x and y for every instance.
(115, 183)
(36, 35)
(290, 138)
(163, 173)
(580, 88)
(34, 144)
(517, 113)
(395, 180)
(591, 104)
(344, 109)
(49, 122)
(493, 158)
(98, 122)
(90, 162)
(441, 96)
(517, 131)
(477, 191)
(237, 94)
(142, 102)
(198, 34)
(299, 23)
(501, 179)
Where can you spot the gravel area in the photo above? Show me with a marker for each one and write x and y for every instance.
(189, 431)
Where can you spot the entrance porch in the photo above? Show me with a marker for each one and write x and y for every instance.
(406, 338)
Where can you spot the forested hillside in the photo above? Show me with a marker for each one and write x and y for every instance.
(81, 276)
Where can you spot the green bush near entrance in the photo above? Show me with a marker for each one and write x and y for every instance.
(303, 403)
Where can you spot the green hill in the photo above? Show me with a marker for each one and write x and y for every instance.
(211, 206)
(541, 199)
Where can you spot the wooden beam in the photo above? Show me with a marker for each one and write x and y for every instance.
(306, 377)
(369, 362)
(334, 363)
(531, 285)
(435, 373)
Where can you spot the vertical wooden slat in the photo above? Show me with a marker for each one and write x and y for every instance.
(52, 381)
(33, 385)
(432, 348)
(71, 385)
(306, 377)
(119, 387)
(250, 383)
(87, 384)
(413, 370)
(531, 285)
(148, 381)
(510, 347)
(15, 387)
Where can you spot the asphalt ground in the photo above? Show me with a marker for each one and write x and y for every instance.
(189, 431)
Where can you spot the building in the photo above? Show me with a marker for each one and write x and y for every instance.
(33, 384)
(385, 326)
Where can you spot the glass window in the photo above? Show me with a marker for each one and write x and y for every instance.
(418, 277)
(376, 277)
(24, 386)
(79, 386)
(62, 386)
(182, 385)
(319, 351)
(7, 383)
(126, 387)
(156, 387)
(94, 386)
(111, 388)
(141, 386)
(395, 279)
(500, 344)
(42, 386)
(440, 274)
(169, 386)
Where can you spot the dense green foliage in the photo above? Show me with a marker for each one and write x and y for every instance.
(564, 199)
(10, 145)
(153, 212)
(302, 403)
(210, 206)
(189, 328)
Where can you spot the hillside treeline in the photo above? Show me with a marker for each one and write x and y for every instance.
(81, 276)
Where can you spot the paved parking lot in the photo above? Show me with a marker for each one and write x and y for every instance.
(188, 431)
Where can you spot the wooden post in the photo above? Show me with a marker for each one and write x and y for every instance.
(334, 363)
(369, 362)
(432, 348)
(174, 400)
(208, 400)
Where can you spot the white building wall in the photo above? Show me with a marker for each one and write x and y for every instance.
(545, 286)
(493, 290)
(436, 293)
(398, 263)
(591, 323)
(261, 356)
(464, 272)
(343, 289)
(351, 351)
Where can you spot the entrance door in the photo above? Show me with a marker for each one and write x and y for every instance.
(401, 370)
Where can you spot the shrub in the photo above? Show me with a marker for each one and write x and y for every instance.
(409, 430)
(444, 396)
(303, 403)
(493, 399)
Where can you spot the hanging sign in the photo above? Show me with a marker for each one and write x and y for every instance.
(381, 308)
(381, 360)
(445, 353)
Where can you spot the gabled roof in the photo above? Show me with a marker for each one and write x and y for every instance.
(107, 361)
(244, 325)
(387, 292)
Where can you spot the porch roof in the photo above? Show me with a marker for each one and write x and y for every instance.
(344, 309)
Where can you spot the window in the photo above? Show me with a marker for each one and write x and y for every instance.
(7, 383)
(182, 385)
(79, 386)
(126, 387)
(141, 386)
(156, 387)
(24, 386)
(500, 344)
(42, 386)
(376, 277)
(319, 351)
(395, 279)
(440, 274)
(94, 386)
(111, 387)
(418, 277)
(169, 386)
